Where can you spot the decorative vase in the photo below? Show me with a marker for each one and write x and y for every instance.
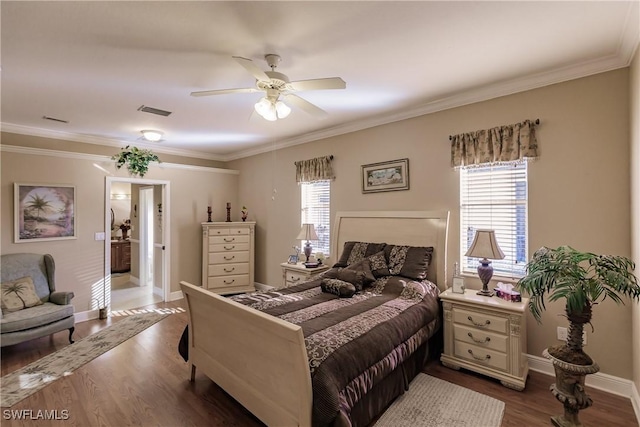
(125, 234)
(569, 389)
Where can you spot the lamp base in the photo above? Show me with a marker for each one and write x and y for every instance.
(485, 293)
(307, 250)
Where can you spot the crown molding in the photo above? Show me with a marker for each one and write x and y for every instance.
(109, 142)
(106, 159)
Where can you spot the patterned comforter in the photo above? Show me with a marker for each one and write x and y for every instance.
(353, 343)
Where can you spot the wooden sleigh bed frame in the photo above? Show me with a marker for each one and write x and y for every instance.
(260, 360)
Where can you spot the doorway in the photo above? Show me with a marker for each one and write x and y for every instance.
(142, 281)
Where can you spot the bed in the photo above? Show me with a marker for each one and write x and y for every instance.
(311, 355)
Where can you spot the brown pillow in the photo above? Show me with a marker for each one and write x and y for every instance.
(338, 287)
(408, 261)
(357, 274)
(378, 264)
(354, 252)
(18, 294)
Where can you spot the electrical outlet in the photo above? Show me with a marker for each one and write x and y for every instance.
(562, 334)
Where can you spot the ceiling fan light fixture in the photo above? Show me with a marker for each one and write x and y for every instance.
(282, 109)
(152, 135)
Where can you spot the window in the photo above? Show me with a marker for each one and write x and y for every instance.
(316, 210)
(495, 197)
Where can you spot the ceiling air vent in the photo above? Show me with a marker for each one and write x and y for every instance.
(152, 110)
(53, 119)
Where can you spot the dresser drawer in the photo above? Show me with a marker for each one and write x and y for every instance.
(481, 356)
(481, 338)
(225, 258)
(226, 281)
(228, 269)
(238, 231)
(484, 321)
(218, 232)
(221, 240)
(229, 247)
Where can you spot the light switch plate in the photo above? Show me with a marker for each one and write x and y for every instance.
(100, 235)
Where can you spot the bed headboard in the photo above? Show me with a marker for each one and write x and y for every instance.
(413, 228)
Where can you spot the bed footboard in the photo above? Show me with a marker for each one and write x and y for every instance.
(258, 359)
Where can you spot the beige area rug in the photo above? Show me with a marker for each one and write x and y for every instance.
(432, 402)
(24, 382)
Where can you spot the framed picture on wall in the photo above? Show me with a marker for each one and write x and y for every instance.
(385, 176)
(44, 212)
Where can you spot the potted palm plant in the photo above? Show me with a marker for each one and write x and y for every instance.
(136, 159)
(582, 279)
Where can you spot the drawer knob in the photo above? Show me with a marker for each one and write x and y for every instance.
(229, 270)
(229, 258)
(487, 339)
(228, 248)
(481, 325)
(487, 357)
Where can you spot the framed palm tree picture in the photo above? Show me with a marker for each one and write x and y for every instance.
(44, 212)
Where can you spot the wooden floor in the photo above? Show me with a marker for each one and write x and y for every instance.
(144, 382)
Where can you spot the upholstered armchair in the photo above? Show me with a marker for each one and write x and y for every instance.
(31, 306)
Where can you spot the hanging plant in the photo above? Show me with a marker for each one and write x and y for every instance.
(137, 160)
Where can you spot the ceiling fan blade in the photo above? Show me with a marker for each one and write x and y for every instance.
(224, 91)
(252, 68)
(305, 105)
(318, 84)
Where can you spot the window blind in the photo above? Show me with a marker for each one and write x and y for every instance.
(316, 197)
(495, 197)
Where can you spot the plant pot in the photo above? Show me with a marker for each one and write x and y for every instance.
(569, 389)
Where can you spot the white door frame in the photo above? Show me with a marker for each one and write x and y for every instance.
(166, 233)
(145, 250)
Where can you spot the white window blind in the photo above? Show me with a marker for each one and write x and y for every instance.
(495, 197)
(316, 210)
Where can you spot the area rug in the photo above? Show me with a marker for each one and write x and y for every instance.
(432, 402)
(25, 381)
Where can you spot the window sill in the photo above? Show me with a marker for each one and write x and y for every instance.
(494, 278)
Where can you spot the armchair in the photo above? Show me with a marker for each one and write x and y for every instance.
(53, 315)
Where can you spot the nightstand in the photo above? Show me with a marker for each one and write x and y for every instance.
(292, 274)
(487, 335)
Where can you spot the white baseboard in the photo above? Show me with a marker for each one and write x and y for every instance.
(135, 280)
(262, 287)
(175, 296)
(600, 381)
(83, 316)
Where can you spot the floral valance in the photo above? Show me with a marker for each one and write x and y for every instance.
(313, 170)
(502, 144)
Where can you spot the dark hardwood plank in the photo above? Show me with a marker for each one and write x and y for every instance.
(145, 382)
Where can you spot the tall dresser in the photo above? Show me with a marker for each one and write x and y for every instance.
(228, 253)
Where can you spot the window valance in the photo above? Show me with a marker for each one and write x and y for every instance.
(502, 144)
(314, 170)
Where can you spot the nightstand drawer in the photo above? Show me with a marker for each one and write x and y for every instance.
(482, 356)
(293, 277)
(481, 338)
(479, 320)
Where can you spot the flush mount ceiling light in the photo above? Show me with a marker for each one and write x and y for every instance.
(152, 135)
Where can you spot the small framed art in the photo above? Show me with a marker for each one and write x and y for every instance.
(385, 176)
(293, 259)
(458, 285)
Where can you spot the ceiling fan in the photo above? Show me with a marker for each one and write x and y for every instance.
(278, 88)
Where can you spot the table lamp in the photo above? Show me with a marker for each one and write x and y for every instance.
(485, 246)
(308, 232)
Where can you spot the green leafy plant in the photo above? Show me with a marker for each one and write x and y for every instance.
(136, 159)
(582, 279)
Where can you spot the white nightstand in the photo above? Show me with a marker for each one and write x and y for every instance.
(486, 335)
(292, 274)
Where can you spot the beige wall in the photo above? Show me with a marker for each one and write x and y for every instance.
(578, 189)
(635, 205)
(80, 262)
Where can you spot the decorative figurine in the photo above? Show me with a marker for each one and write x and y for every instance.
(208, 213)
(228, 212)
(245, 213)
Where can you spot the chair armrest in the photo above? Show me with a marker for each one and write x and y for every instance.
(61, 297)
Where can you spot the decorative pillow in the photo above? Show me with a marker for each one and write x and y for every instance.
(358, 274)
(338, 287)
(378, 265)
(18, 294)
(408, 261)
(354, 252)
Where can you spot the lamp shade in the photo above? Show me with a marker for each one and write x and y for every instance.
(308, 232)
(485, 245)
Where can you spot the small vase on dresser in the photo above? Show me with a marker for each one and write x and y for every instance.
(228, 253)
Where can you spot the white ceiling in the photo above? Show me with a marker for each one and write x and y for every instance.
(95, 63)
